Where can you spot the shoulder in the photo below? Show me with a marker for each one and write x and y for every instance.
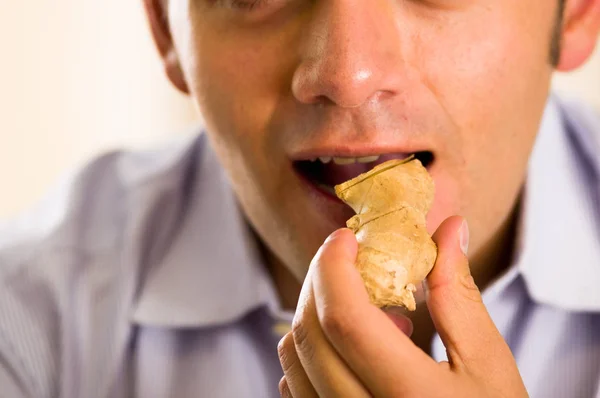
(87, 209)
(69, 265)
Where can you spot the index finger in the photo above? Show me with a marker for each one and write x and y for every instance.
(381, 355)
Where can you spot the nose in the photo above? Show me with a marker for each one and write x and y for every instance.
(351, 54)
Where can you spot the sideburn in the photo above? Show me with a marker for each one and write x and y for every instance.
(555, 45)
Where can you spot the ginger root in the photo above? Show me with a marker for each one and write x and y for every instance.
(395, 252)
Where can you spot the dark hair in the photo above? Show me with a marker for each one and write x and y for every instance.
(557, 34)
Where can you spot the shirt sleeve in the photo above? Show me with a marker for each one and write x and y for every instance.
(11, 386)
(29, 339)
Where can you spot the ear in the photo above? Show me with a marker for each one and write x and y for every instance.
(157, 13)
(580, 30)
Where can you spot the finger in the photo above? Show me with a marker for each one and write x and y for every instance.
(401, 321)
(327, 372)
(379, 353)
(295, 380)
(457, 310)
(284, 389)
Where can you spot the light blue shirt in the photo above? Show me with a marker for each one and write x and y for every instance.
(138, 277)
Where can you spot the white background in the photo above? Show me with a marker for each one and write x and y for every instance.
(78, 77)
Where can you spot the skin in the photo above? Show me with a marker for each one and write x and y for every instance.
(331, 353)
(293, 79)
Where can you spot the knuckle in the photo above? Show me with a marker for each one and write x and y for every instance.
(469, 288)
(301, 340)
(284, 389)
(285, 351)
(336, 324)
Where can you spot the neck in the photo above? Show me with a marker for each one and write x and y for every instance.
(495, 256)
(287, 285)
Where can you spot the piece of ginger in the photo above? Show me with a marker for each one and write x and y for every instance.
(395, 252)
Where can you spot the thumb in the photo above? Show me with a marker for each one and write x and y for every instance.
(457, 310)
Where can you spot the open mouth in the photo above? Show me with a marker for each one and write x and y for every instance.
(327, 171)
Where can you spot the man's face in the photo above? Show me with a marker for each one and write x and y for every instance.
(463, 83)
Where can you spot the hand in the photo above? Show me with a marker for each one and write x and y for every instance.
(343, 346)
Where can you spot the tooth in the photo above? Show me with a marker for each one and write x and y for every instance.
(368, 159)
(325, 159)
(343, 161)
(313, 159)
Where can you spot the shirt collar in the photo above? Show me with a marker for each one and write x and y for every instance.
(559, 246)
(212, 271)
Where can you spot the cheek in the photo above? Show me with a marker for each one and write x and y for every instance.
(445, 202)
(488, 64)
(494, 89)
(234, 83)
(238, 78)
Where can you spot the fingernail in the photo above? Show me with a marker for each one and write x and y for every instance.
(464, 237)
(401, 321)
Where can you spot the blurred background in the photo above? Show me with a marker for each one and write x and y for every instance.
(79, 77)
